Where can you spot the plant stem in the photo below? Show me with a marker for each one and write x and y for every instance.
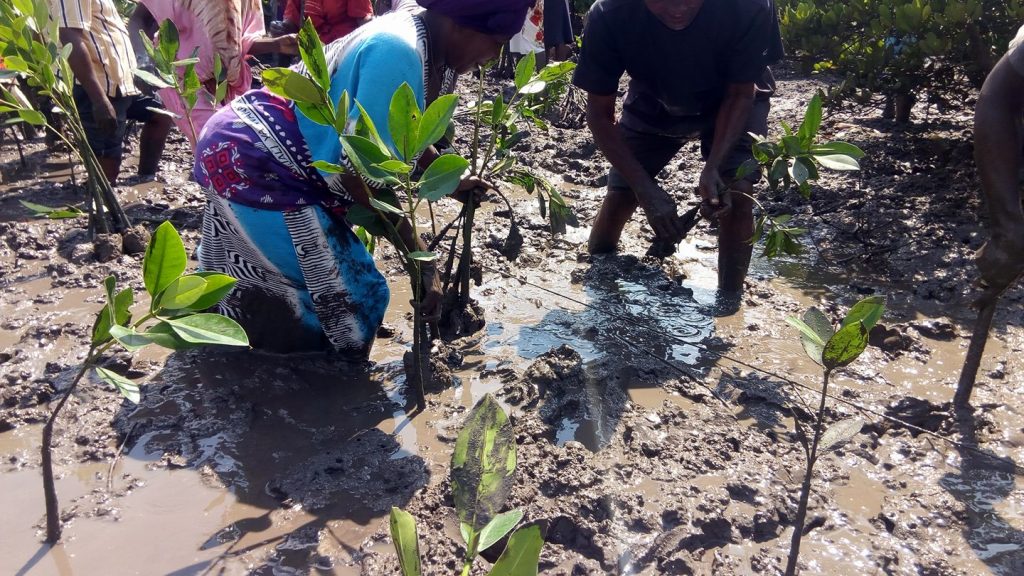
(53, 527)
(805, 489)
(471, 546)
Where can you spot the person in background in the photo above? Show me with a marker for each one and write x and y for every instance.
(105, 93)
(277, 224)
(997, 152)
(332, 19)
(230, 29)
(697, 69)
(558, 37)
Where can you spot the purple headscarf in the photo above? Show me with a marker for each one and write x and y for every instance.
(496, 17)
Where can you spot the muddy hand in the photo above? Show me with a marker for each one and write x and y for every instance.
(473, 187)
(429, 309)
(716, 199)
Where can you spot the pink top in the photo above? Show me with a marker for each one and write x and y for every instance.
(224, 27)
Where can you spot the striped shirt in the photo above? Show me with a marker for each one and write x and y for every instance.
(107, 39)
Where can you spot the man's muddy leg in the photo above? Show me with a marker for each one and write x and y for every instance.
(734, 233)
(618, 207)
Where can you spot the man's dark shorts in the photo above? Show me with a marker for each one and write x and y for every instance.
(126, 107)
(654, 151)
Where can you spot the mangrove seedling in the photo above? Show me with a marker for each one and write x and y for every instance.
(831, 349)
(31, 50)
(794, 161)
(482, 473)
(382, 169)
(175, 319)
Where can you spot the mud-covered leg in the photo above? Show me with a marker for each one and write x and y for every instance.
(618, 207)
(734, 233)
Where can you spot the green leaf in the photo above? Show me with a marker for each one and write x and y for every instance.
(838, 162)
(191, 86)
(16, 63)
(152, 79)
(535, 87)
(422, 256)
(498, 527)
(33, 117)
(395, 167)
(798, 171)
(116, 312)
(845, 346)
(750, 166)
(407, 545)
(328, 167)
(868, 311)
(840, 433)
(163, 335)
(364, 156)
(442, 177)
(129, 338)
(836, 147)
(812, 122)
(165, 259)
(815, 330)
(436, 120)
(404, 122)
(126, 387)
(483, 464)
(368, 219)
(466, 531)
(217, 287)
(181, 293)
(319, 113)
(365, 127)
(385, 207)
(290, 84)
(209, 329)
(525, 69)
(522, 555)
(52, 213)
(312, 52)
(186, 61)
(169, 43)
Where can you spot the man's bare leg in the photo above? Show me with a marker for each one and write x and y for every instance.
(618, 207)
(734, 233)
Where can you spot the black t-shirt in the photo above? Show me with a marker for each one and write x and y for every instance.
(676, 75)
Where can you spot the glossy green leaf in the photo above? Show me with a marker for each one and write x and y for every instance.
(129, 338)
(319, 113)
(209, 329)
(167, 50)
(407, 545)
(190, 87)
(217, 287)
(525, 69)
(845, 346)
(535, 87)
(163, 335)
(442, 177)
(328, 167)
(483, 464)
(838, 162)
(422, 256)
(33, 117)
(312, 52)
(385, 207)
(798, 171)
(165, 259)
(152, 79)
(394, 166)
(436, 120)
(116, 312)
(404, 122)
(126, 387)
(868, 311)
(498, 527)
(812, 122)
(181, 293)
(366, 128)
(522, 555)
(365, 156)
(841, 148)
(288, 83)
(815, 330)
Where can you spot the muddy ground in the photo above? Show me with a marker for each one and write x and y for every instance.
(653, 426)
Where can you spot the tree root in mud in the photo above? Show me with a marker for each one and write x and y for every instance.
(436, 365)
(460, 319)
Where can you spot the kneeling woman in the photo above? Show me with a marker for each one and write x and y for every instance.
(305, 282)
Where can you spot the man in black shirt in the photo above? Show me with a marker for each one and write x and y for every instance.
(696, 68)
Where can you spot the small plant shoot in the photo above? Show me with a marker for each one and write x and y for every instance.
(175, 318)
(831, 348)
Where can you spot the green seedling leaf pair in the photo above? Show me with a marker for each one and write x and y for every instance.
(51, 213)
(837, 348)
(483, 469)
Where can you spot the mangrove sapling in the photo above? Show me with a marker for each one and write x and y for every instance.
(794, 162)
(31, 49)
(497, 128)
(383, 171)
(174, 320)
(831, 349)
(482, 473)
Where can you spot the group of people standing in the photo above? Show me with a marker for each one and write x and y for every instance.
(697, 69)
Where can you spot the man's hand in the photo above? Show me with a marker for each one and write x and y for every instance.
(282, 27)
(1001, 262)
(716, 199)
(105, 116)
(473, 187)
(660, 210)
(429, 308)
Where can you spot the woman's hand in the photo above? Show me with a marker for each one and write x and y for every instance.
(429, 308)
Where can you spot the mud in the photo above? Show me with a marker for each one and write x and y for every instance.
(647, 443)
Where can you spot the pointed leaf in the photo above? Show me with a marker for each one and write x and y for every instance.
(422, 256)
(364, 156)
(845, 346)
(404, 122)
(869, 311)
(436, 120)
(328, 167)
(483, 464)
(840, 433)
(209, 329)
(289, 84)
(442, 177)
(312, 52)
(522, 555)
(129, 338)
(181, 293)
(812, 122)
(163, 335)
(535, 87)
(466, 531)
(395, 166)
(525, 69)
(168, 48)
(126, 387)
(837, 147)
(837, 162)
(498, 527)
(165, 259)
(407, 545)
(217, 287)
(385, 207)
(152, 79)
(815, 330)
